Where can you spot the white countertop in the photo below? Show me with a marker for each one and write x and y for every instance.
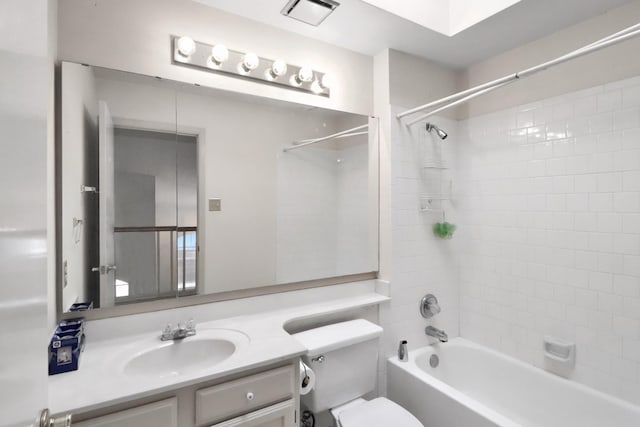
(99, 381)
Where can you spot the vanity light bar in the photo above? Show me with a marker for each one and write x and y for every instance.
(217, 58)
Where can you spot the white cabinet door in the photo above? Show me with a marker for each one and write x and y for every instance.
(230, 399)
(159, 414)
(24, 96)
(279, 415)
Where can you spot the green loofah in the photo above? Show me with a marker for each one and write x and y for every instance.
(444, 230)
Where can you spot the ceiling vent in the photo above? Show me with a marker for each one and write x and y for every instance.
(312, 12)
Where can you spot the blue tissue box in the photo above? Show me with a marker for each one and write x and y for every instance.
(71, 324)
(65, 346)
(81, 306)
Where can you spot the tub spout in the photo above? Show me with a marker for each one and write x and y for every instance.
(436, 333)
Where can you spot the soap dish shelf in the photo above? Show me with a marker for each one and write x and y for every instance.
(427, 202)
(437, 166)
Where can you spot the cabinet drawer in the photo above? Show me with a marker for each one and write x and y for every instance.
(278, 415)
(159, 414)
(241, 396)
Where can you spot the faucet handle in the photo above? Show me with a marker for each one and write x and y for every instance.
(429, 306)
(191, 324)
(167, 332)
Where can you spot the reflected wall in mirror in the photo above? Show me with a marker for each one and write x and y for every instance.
(142, 163)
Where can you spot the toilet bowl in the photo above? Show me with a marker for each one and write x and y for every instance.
(379, 412)
(344, 358)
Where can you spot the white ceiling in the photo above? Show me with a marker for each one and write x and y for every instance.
(359, 26)
(448, 17)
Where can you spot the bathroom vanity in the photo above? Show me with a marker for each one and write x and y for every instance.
(240, 370)
(266, 398)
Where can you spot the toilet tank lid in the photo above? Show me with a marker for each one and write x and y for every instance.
(338, 335)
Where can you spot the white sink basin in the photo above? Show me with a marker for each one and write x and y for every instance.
(202, 352)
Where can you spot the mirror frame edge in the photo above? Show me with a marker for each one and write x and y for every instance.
(173, 303)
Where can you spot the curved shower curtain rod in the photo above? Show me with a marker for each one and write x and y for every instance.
(469, 94)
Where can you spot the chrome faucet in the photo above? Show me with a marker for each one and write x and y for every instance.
(179, 332)
(436, 333)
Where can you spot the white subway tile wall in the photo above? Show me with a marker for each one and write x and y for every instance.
(548, 199)
(421, 262)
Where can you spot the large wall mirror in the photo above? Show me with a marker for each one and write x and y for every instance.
(171, 190)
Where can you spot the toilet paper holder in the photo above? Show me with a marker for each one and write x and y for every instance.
(307, 379)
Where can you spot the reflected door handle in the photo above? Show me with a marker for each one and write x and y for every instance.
(88, 189)
(104, 269)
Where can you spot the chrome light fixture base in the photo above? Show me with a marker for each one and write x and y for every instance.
(235, 65)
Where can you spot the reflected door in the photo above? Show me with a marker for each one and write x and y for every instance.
(107, 209)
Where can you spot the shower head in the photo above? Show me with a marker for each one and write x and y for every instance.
(441, 134)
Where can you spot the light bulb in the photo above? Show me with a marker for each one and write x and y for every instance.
(219, 54)
(277, 69)
(327, 81)
(186, 46)
(316, 87)
(304, 75)
(249, 62)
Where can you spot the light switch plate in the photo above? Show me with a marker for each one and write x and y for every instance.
(215, 205)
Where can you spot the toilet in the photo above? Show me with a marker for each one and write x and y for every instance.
(344, 357)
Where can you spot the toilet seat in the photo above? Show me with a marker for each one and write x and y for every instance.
(380, 412)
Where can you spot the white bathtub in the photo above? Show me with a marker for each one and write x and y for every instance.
(474, 386)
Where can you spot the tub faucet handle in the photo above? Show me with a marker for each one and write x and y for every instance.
(429, 306)
(403, 353)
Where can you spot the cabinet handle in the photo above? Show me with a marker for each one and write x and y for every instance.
(250, 396)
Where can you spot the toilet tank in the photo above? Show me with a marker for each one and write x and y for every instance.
(349, 364)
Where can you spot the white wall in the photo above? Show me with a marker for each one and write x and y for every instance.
(422, 263)
(611, 64)
(52, 272)
(354, 191)
(323, 210)
(551, 231)
(26, 113)
(414, 81)
(412, 259)
(135, 36)
(163, 157)
(306, 214)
